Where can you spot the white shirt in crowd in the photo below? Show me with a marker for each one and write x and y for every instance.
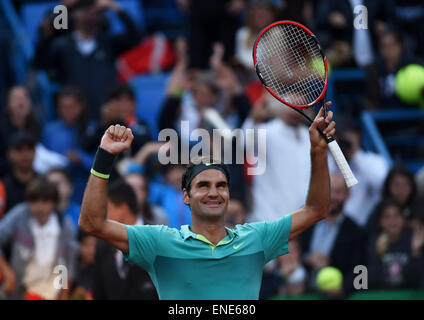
(371, 170)
(39, 276)
(283, 186)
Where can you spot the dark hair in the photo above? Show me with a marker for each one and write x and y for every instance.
(31, 125)
(395, 33)
(41, 189)
(120, 193)
(385, 203)
(72, 91)
(119, 90)
(395, 171)
(193, 163)
(62, 172)
(146, 209)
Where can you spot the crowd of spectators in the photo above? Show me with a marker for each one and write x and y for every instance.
(45, 163)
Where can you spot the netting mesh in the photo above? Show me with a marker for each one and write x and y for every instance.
(290, 63)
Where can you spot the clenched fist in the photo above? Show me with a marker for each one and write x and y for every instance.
(117, 139)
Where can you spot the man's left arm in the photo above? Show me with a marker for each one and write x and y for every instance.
(317, 203)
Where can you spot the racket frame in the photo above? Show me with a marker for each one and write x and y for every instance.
(255, 63)
(333, 146)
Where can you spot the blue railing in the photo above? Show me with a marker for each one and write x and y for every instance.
(373, 140)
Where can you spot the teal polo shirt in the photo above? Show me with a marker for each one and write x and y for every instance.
(186, 266)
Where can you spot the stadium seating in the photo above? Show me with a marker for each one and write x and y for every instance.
(150, 93)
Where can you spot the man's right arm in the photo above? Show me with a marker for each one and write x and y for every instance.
(93, 216)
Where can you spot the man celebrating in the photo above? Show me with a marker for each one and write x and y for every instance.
(206, 260)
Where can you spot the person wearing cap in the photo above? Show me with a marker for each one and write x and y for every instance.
(205, 260)
(20, 154)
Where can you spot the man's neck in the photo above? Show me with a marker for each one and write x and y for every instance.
(23, 175)
(213, 231)
(332, 218)
(84, 34)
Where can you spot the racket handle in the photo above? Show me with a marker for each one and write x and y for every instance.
(342, 164)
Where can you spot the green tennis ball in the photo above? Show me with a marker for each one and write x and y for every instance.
(318, 65)
(409, 84)
(329, 278)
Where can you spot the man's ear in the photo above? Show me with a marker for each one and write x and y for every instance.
(186, 197)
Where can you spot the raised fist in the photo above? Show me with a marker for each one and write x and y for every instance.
(117, 139)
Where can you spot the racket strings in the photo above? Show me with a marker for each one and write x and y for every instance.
(291, 64)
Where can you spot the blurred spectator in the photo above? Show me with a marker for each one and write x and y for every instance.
(209, 22)
(301, 11)
(346, 45)
(369, 168)
(84, 277)
(336, 241)
(395, 258)
(19, 114)
(164, 187)
(292, 270)
(409, 16)
(20, 117)
(65, 136)
(170, 196)
(259, 14)
(189, 94)
(399, 186)
(236, 213)
(192, 96)
(287, 164)
(41, 240)
(151, 214)
(21, 153)
(7, 77)
(86, 57)
(65, 206)
(47, 33)
(120, 108)
(116, 279)
(380, 76)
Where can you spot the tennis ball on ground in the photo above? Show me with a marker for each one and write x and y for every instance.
(329, 279)
(409, 84)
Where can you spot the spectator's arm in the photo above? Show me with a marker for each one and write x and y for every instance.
(241, 103)
(86, 159)
(8, 224)
(372, 167)
(125, 41)
(169, 112)
(9, 276)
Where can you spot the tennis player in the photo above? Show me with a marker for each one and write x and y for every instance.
(206, 260)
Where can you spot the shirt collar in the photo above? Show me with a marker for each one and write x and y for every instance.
(187, 233)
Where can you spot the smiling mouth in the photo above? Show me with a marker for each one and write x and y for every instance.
(212, 203)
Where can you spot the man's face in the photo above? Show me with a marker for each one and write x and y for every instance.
(63, 186)
(339, 194)
(392, 221)
(41, 209)
(209, 194)
(22, 156)
(86, 18)
(203, 95)
(19, 102)
(126, 106)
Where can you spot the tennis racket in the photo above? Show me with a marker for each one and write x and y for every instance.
(292, 67)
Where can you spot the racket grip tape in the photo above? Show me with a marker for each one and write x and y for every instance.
(342, 163)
